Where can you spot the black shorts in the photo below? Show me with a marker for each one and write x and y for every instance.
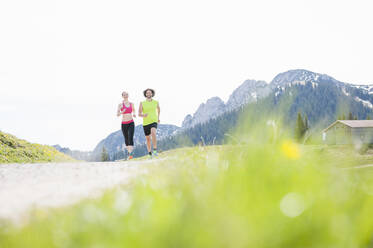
(147, 128)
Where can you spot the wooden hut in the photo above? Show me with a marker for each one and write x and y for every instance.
(344, 132)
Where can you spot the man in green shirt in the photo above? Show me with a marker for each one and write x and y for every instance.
(149, 110)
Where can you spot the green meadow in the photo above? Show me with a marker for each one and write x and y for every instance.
(14, 150)
(260, 194)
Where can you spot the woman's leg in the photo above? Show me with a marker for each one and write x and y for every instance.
(131, 132)
(125, 134)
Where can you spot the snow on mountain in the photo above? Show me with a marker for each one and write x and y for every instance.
(299, 76)
(364, 102)
(345, 92)
(366, 88)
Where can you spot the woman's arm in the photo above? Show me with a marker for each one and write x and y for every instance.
(119, 111)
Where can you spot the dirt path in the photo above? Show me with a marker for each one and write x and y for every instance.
(25, 186)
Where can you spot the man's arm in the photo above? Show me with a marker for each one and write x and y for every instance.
(133, 110)
(140, 110)
(159, 111)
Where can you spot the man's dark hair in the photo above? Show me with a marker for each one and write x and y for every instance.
(153, 92)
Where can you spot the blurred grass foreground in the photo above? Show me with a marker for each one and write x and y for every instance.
(265, 192)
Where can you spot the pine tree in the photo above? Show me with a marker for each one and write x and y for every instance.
(350, 116)
(306, 124)
(299, 127)
(104, 154)
(343, 117)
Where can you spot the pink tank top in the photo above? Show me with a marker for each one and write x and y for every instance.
(127, 110)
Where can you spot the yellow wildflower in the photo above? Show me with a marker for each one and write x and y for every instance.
(290, 149)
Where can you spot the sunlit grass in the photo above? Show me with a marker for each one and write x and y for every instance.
(278, 194)
(14, 150)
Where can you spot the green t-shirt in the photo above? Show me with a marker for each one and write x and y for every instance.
(150, 108)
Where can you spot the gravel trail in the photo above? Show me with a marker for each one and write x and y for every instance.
(27, 186)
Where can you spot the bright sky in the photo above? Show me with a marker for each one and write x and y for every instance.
(64, 64)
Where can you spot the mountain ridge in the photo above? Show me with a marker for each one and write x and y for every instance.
(252, 90)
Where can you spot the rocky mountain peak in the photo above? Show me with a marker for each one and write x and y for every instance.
(187, 122)
(249, 91)
(300, 76)
(212, 108)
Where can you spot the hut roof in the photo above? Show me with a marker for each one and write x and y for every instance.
(352, 123)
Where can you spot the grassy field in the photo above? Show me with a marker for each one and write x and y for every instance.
(253, 195)
(345, 156)
(14, 150)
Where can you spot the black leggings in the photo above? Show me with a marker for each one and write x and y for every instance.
(128, 131)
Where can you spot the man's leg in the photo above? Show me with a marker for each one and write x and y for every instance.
(147, 133)
(148, 145)
(154, 137)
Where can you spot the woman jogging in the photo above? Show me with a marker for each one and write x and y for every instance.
(149, 110)
(127, 109)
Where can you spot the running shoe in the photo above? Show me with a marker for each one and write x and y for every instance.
(155, 153)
